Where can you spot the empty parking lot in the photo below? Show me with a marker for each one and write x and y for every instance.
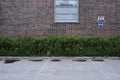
(59, 68)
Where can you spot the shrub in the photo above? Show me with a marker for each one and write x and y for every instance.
(60, 46)
(115, 44)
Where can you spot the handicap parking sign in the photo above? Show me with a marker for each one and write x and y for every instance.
(100, 23)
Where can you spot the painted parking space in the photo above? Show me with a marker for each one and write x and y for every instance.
(62, 69)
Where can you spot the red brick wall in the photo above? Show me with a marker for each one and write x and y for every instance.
(36, 18)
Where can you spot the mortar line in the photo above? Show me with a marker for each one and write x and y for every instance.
(108, 77)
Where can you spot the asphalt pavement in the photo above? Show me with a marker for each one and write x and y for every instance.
(59, 68)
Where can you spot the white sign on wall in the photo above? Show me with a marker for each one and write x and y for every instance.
(66, 11)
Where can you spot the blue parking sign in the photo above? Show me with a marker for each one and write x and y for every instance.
(100, 24)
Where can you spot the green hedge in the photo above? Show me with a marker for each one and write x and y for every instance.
(60, 46)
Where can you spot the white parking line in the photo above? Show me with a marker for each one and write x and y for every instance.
(25, 75)
(41, 70)
(108, 77)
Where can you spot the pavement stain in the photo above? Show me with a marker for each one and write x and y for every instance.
(10, 61)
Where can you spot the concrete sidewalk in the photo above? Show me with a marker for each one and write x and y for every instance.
(66, 69)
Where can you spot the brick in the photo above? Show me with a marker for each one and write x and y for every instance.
(36, 18)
